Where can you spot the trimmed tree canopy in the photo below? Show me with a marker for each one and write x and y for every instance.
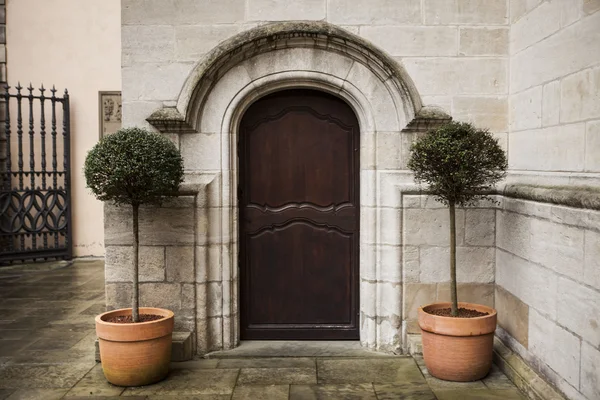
(458, 162)
(133, 166)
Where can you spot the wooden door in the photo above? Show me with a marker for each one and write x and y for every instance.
(299, 218)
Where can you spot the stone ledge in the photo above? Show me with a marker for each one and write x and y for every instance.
(181, 349)
(577, 196)
(169, 120)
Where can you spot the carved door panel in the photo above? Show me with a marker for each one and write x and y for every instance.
(299, 217)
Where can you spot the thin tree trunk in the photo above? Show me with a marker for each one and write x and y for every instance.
(454, 309)
(136, 253)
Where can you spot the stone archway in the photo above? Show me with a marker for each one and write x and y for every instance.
(222, 86)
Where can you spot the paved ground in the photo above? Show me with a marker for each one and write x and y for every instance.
(47, 352)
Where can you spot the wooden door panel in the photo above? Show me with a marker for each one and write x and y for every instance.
(299, 218)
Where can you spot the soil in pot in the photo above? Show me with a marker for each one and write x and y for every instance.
(128, 319)
(462, 312)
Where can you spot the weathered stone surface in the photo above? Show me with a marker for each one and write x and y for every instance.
(135, 113)
(566, 140)
(376, 12)
(591, 6)
(275, 392)
(526, 109)
(590, 371)
(518, 8)
(180, 12)
(94, 383)
(181, 349)
(273, 10)
(209, 298)
(189, 382)
(417, 295)
(389, 150)
(198, 151)
(163, 295)
(271, 376)
(357, 391)
(33, 394)
(470, 394)
(119, 264)
(447, 12)
(538, 24)
(457, 76)
(154, 81)
(497, 380)
(513, 315)
(381, 370)
(473, 264)
(415, 41)
(483, 41)
(180, 264)
(592, 146)
(591, 268)
(147, 44)
(193, 41)
(42, 376)
(579, 95)
(431, 227)
(480, 227)
(551, 103)
(491, 112)
(479, 293)
(578, 309)
(556, 347)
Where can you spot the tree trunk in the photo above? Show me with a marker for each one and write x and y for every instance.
(454, 309)
(136, 253)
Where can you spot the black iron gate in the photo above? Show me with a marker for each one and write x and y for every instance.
(35, 178)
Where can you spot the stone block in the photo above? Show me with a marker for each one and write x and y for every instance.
(457, 76)
(555, 346)
(534, 285)
(557, 148)
(551, 103)
(580, 96)
(590, 370)
(163, 295)
(181, 12)
(390, 225)
(591, 267)
(535, 67)
(411, 264)
(209, 225)
(578, 310)
(136, 112)
(418, 41)
(518, 8)
(480, 227)
(479, 293)
(473, 264)
(209, 299)
(389, 150)
(147, 43)
(513, 315)
(431, 227)
(591, 6)
(488, 112)
(526, 109)
(193, 41)
(201, 152)
(538, 24)
(274, 10)
(592, 146)
(154, 81)
(118, 295)
(374, 12)
(180, 264)
(484, 41)
(414, 344)
(390, 263)
(119, 264)
(417, 295)
(467, 12)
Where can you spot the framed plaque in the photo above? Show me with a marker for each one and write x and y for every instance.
(109, 105)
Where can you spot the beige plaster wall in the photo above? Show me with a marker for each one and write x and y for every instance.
(76, 45)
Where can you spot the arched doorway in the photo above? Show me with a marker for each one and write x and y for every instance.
(299, 217)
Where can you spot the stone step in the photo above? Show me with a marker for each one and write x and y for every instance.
(181, 350)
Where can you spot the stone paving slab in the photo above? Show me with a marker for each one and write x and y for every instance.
(334, 392)
(389, 370)
(277, 376)
(271, 392)
(190, 382)
(408, 391)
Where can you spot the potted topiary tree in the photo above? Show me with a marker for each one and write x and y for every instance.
(133, 167)
(460, 164)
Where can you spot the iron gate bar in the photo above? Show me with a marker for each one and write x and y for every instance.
(29, 213)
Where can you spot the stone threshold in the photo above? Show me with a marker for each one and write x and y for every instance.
(512, 365)
(297, 348)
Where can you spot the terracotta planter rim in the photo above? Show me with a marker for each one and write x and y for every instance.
(492, 311)
(99, 319)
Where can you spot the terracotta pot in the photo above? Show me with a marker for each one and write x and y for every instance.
(457, 349)
(135, 354)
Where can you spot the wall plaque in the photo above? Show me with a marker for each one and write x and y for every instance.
(110, 112)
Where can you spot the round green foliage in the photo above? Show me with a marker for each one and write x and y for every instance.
(458, 162)
(133, 166)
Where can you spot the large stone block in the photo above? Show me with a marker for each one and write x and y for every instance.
(417, 295)
(476, 12)
(479, 293)
(275, 10)
(480, 227)
(483, 41)
(118, 265)
(556, 347)
(526, 109)
(374, 12)
(147, 43)
(193, 41)
(444, 76)
(209, 299)
(201, 152)
(580, 95)
(518, 8)
(534, 285)
(592, 146)
(473, 264)
(485, 112)
(181, 12)
(579, 310)
(154, 81)
(163, 295)
(118, 295)
(577, 44)
(413, 40)
(180, 264)
(538, 24)
(389, 150)
(591, 268)
(551, 103)
(557, 148)
(590, 370)
(431, 227)
(136, 112)
(513, 315)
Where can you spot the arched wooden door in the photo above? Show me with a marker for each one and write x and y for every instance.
(299, 218)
